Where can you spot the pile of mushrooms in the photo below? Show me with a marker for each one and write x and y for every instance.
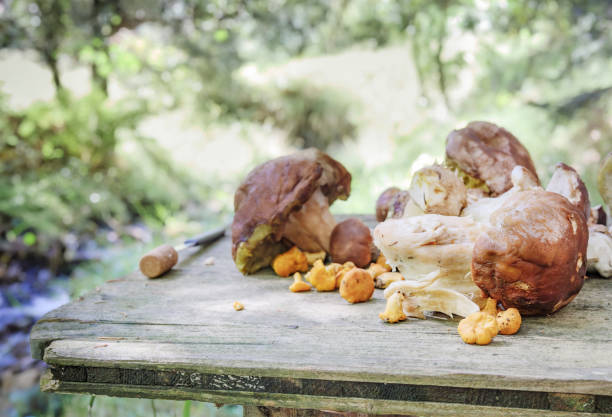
(482, 226)
(285, 202)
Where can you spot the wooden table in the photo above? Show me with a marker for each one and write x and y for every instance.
(286, 353)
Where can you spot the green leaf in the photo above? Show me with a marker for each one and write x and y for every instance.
(12, 140)
(187, 408)
(115, 20)
(26, 128)
(29, 239)
(221, 35)
(87, 54)
(48, 150)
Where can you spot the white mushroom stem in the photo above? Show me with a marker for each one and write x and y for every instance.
(599, 251)
(310, 227)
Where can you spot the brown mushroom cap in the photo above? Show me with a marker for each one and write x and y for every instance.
(534, 256)
(351, 240)
(566, 181)
(487, 153)
(598, 215)
(391, 203)
(384, 203)
(271, 193)
(398, 205)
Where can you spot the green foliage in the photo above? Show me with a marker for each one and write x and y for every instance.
(79, 405)
(311, 116)
(187, 408)
(60, 170)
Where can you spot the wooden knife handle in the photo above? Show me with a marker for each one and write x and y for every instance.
(158, 261)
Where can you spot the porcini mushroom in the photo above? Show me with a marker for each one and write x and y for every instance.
(286, 200)
(384, 202)
(391, 204)
(566, 181)
(533, 257)
(484, 154)
(419, 245)
(598, 215)
(351, 240)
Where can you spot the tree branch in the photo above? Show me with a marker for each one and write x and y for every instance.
(569, 106)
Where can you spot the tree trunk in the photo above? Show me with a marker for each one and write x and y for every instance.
(99, 80)
(51, 61)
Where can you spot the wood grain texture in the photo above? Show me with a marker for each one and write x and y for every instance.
(185, 323)
(260, 411)
(359, 405)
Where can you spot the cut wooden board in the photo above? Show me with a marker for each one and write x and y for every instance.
(179, 337)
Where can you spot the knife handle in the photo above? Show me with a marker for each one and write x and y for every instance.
(158, 261)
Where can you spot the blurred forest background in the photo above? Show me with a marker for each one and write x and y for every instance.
(125, 123)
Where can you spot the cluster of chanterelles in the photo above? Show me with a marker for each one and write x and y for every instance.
(484, 227)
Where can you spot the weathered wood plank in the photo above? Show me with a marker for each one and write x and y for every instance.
(186, 321)
(205, 292)
(360, 405)
(289, 358)
(187, 378)
(262, 411)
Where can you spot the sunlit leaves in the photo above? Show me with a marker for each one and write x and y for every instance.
(221, 35)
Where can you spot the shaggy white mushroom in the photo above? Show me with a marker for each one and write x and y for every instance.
(437, 190)
(421, 244)
(439, 249)
(433, 190)
(480, 210)
(428, 294)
